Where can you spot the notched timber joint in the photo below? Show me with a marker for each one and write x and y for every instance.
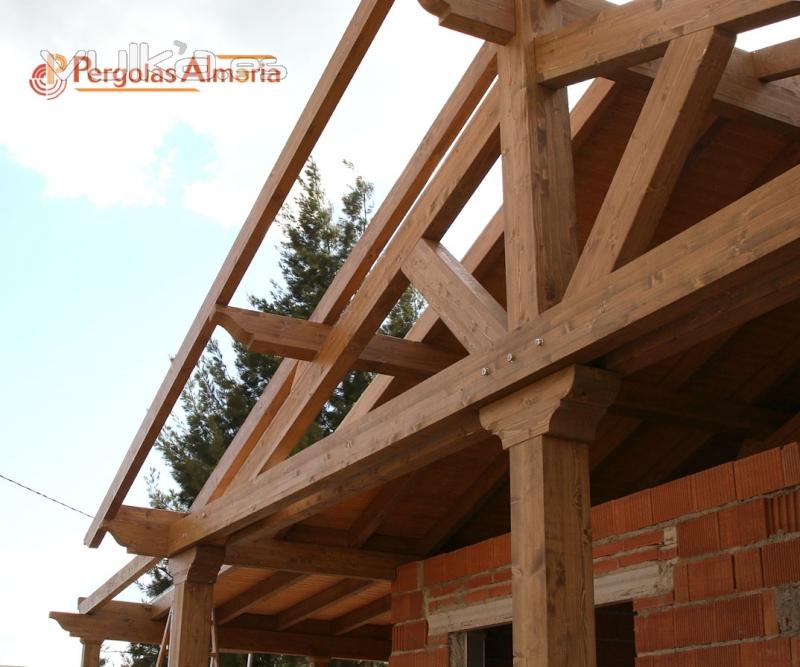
(568, 404)
(492, 20)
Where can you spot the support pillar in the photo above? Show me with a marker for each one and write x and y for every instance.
(546, 427)
(90, 656)
(194, 572)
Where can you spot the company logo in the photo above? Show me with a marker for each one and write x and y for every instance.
(166, 72)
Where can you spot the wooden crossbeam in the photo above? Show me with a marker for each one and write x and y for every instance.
(317, 603)
(492, 20)
(461, 103)
(334, 81)
(631, 34)
(361, 616)
(372, 517)
(268, 333)
(246, 600)
(779, 61)
(117, 583)
(131, 622)
(665, 132)
(463, 304)
(757, 233)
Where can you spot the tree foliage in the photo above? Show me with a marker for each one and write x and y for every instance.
(217, 398)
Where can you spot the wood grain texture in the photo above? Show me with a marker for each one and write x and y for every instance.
(492, 20)
(667, 128)
(779, 61)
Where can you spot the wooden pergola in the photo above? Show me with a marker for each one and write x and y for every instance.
(631, 312)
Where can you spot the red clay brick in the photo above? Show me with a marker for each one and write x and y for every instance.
(441, 590)
(672, 500)
(501, 551)
(607, 549)
(433, 571)
(739, 618)
(500, 591)
(480, 580)
(655, 631)
(783, 514)
(719, 656)
(647, 661)
(681, 582)
(774, 652)
(695, 625)
(698, 536)
(760, 473)
(653, 601)
(407, 578)
(710, 578)
(781, 562)
(743, 524)
(502, 575)
(747, 574)
(438, 657)
(403, 660)
(603, 566)
(650, 538)
(639, 557)
(681, 659)
(633, 512)
(458, 564)
(477, 596)
(407, 607)
(770, 613)
(795, 642)
(668, 554)
(603, 521)
(791, 467)
(409, 636)
(438, 640)
(713, 487)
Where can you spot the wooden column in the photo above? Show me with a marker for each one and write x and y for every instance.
(194, 572)
(547, 427)
(90, 656)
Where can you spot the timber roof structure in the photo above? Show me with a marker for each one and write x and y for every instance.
(648, 251)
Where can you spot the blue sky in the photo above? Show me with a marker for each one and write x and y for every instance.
(116, 215)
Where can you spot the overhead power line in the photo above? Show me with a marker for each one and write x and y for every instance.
(44, 495)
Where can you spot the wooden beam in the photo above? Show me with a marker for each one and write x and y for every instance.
(717, 258)
(291, 337)
(463, 304)
(439, 138)
(538, 181)
(334, 81)
(492, 20)
(247, 599)
(631, 34)
(665, 132)
(310, 559)
(131, 622)
(117, 583)
(474, 153)
(551, 544)
(361, 616)
(193, 575)
(645, 401)
(90, 652)
(779, 61)
(317, 603)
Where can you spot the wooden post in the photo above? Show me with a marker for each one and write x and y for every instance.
(194, 572)
(90, 656)
(547, 427)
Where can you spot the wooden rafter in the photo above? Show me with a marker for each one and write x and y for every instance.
(334, 81)
(264, 589)
(117, 583)
(361, 615)
(492, 20)
(317, 603)
(779, 61)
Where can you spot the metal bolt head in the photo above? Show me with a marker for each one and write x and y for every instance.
(485, 371)
(509, 357)
(539, 342)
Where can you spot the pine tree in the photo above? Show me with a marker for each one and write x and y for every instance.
(216, 400)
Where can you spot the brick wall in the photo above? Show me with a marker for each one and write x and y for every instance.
(726, 545)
